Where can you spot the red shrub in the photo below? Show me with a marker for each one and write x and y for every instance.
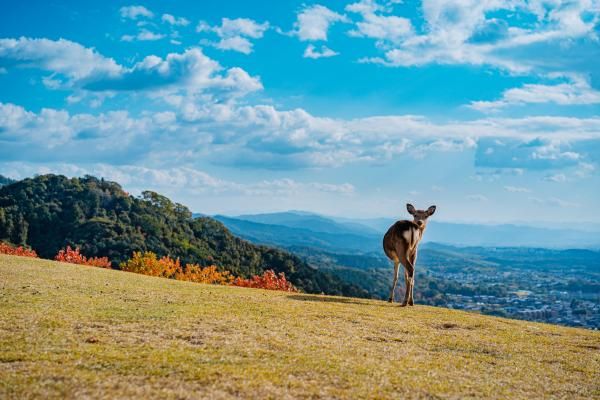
(6, 248)
(100, 262)
(69, 255)
(268, 280)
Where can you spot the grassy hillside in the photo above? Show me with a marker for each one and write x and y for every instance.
(74, 331)
(49, 212)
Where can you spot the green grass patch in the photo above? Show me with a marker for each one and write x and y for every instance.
(77, 331)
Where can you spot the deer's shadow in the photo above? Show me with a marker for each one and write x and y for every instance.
(344, 300)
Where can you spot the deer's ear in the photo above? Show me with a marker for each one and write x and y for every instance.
(411, 209)
(431, 210)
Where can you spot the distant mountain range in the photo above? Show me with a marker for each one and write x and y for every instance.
(351, 250)
(337, 240)
(295, 228)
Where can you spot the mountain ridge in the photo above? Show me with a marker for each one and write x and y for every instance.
(458, 234)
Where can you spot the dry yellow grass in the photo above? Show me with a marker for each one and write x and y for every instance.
(69, 331)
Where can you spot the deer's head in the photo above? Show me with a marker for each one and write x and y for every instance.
(420, 216)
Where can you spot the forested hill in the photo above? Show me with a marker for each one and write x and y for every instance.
(49, 212)
(5, 181)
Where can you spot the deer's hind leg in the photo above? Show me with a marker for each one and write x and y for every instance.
(413, 261)
(409, 271)
(396, 270)
(406, 288)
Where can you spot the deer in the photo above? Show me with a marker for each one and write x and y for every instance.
(400, 245)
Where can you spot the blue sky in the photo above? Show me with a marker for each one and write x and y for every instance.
(489, 109)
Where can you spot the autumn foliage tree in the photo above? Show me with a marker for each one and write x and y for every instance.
(10, 250)
(210, 274)
(69, 255)
(268, 280)
(148, 263)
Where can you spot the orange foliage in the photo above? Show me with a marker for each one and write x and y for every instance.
(6, 248)
(148, 263)
(196, 273)
(75, 257)
(268, 280)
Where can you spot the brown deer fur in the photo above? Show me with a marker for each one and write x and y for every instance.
(400, 244)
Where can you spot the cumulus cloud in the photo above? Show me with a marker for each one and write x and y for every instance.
(324, 52)
(235, 34)
(135, 12)
(466, 33)
(61, 56)
(232, 134)
(376, 26)
(536, 153)
(313, 22)
(142, 35)
(191, 71)
(577, 91)
(173, 20)
(235, 43)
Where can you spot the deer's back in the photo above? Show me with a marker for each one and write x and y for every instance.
(399, 236)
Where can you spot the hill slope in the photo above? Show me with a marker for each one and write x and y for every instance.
(73, 331)
(49, 212)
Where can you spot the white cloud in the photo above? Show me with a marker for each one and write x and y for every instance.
(143, 35)
(176, 21)
(241, 27)
(559, 178)
(312, 52)
(141, 178)
(477, 197)
(313, 22)
(553, 201)
(236, 43)
(235, 34)
(576, 91)
(191, 71)
(192, 126)
(516, 189)
(135, 12)
(584, 169)
(60, 56)
(365, 7)
(381, 27)
(465, 33)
